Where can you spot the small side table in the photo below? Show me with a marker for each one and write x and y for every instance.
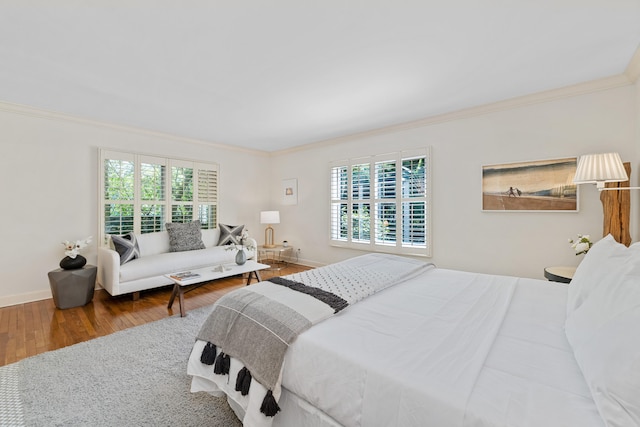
(73, 288)
(275, 257)
(560, 274)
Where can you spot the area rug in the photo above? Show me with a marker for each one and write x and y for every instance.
(135, 377)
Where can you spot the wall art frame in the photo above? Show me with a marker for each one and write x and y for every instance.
(290, 191)
(530, 186)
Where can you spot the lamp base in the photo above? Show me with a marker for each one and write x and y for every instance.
(269, 237)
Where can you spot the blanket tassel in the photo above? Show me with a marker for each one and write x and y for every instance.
(243, 381)
(269, 405)
(240, 378)
(222, 365)
(208, 354)
(246, 384)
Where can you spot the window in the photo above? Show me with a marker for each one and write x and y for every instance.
(141, 193)
(381, 203)
(152, 195)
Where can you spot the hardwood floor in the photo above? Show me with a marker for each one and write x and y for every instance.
(36, 327)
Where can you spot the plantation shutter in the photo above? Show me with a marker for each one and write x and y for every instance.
(207, 195)
(414, 201)
(361, 202)
(339, 196)
(117, 184)
(385, 200)
(382, 201)
(140, 193)
(153, 178)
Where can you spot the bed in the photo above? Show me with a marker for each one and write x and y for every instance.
(450, 348)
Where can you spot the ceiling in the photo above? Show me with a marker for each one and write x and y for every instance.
(279, 74)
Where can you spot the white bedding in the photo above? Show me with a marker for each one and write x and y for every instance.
(448, 348)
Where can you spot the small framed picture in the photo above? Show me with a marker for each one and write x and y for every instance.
(290, 191)
(540, 185)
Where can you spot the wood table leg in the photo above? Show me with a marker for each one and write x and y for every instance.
(177, 290)
(251, 274)
(181, 301)
(174, 292)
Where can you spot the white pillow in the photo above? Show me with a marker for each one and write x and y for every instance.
(610, 363)
(600, 264)
(604, 333)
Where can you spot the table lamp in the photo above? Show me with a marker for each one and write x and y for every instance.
(269, 217)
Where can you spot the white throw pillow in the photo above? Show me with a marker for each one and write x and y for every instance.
(599, 265)
(604, 333)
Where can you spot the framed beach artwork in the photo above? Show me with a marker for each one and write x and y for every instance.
(290, 191)
(541, 185)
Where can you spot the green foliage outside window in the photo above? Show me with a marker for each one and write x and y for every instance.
(135, 194)
(152, 178)
(361, 222)
(181, 184)
(119, 177)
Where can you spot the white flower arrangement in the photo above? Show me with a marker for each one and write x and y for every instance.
(244, 236)
(72, 249)
(582, 244)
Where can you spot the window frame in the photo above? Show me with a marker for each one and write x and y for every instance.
(376, 198)
(208, 197)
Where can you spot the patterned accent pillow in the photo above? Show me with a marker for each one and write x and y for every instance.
(184, 236)
(126, 246)
(230, 234)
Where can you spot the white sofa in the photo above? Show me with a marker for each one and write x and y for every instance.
(147, 271)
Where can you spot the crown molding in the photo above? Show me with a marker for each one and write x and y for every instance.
(633, 69)
(26, 110)
(521, 101)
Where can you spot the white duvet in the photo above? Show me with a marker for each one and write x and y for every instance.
(448, 348)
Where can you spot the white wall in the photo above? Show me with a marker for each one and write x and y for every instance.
(464, 237)
(48, 177)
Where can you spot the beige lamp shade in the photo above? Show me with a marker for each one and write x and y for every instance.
(599, 169)
(270, 217)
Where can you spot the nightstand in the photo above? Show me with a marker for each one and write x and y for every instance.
(276, 257)
(559, 273)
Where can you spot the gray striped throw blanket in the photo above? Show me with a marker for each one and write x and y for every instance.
(256, 324)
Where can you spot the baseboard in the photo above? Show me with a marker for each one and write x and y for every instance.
(29, 297)
(307, 263)
(25, 298)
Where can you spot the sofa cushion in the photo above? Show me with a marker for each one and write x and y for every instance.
(230, 234)
(153, 243)
(126, 246)
(170, 262)
(184, 236)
